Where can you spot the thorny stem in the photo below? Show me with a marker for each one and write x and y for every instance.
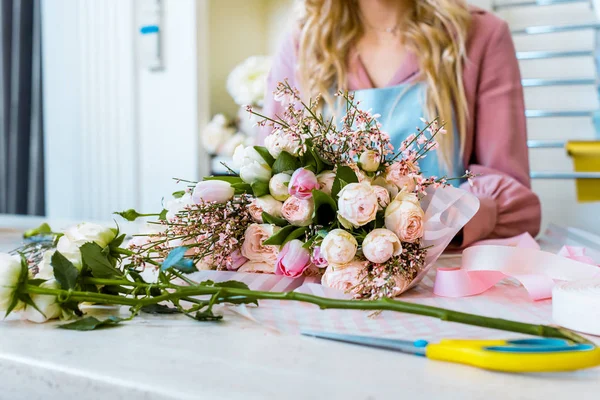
(221, 295)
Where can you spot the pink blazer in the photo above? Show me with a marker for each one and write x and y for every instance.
(496, 140)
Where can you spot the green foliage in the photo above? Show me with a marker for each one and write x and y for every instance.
(285, 163)
(312, 161)
(129, 215)
(178, 194)
(260, 188)
(325, 208)
(242, 187)
(278, 238)
(228, 178)
(97, 261)
(64, 271)
(264, 153)
(43, 229)
(297, 233)
(92, 323)
(343, 176)
(163, 215)
(270, 219)
(159, 309)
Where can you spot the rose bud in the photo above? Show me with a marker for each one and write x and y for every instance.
(278, 186)
(325, 180)
(212, 192)
(302, 184)
(339, 247)
(380, 245)
(369, 161)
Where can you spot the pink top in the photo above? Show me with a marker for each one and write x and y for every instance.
(496, 140)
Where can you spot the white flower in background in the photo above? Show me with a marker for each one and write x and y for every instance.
(247, 81)
(279, 141)
(339, 247)
(47, 304)
(88, 232)
(278, 186)
(10, 272)
(325, 180)
(228, 148)
(380, 245)
(175, 206)
(357, 205)
(216, 133)
(251, 165)
(264, 204)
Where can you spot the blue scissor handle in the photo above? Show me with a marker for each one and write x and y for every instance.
(539, 346)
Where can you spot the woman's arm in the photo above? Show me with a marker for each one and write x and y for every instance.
(500, 155)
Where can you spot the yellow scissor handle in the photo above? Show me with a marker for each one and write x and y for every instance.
(473, 352)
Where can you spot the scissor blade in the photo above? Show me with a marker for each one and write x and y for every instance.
(404, 346)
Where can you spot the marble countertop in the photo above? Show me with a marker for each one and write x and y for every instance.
(174, 357)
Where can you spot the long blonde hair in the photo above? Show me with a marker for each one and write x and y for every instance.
(436, 32)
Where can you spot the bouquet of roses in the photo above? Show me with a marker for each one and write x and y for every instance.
(320, 198)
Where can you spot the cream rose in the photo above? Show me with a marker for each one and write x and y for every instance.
(278, 186)
(298, 212)
(369, 161)
(383, 196)
(267, 204)
(338, 247)
(280, 141)
(380, 245)
(253, 248)
(325, 180)
(357, 205)
(397, 177)
(344, 277)
(404, 216)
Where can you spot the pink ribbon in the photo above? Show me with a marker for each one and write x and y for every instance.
(488, 262)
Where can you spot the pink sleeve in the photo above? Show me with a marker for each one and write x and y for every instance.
(500, 155)
(284, 65)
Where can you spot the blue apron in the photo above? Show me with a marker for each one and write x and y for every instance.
(401, 108)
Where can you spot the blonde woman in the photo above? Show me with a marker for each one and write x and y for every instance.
(407, 59)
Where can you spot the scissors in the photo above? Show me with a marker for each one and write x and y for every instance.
(522, 355)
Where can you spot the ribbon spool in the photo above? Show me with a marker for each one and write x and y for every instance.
(576, 305)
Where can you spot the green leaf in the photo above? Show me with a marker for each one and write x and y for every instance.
(129, 215)
(232, 284)
(312, 161)
(64, 271)
(227, 178)
(159, 309)
(179, 194)
(285, 163)
(43, 229)
(242, 187)
(260, 188)
(97, 261)
(278, 238)
(20, 287)
(343, 176)
(163, 215)
(297, 233)
(205, 316)
(264, 153)
(325, 207)
(270, 219)
(92, 323)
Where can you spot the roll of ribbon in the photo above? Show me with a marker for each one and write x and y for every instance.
(576, 305)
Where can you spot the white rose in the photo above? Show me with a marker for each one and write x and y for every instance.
(251, 165)
(380, 245)
(88, 232)
(357, 205)
(325, 180)
(278, 186)
(216, 133)
(47, 304)
(369, 161)
(405, 217)
(65, 247)
(264, 204)
(10, 273)
(246, 83)
(339, 247)
(175, 206)
(280, 141)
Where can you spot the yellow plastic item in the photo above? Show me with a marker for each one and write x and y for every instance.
(473, 352)
(586, 158)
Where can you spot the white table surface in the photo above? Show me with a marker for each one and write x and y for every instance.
(156, 357)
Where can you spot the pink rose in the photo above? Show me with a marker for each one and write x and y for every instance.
(383, 197)
(253, 248)
(302, 184)
(318, 259)
(380, 245)
(264, 203)
(298, 212)
(344, 277)
(293, 259)
(396, 175)
(212, 192)
(404, 216)
(357, 205)
(325, 180)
